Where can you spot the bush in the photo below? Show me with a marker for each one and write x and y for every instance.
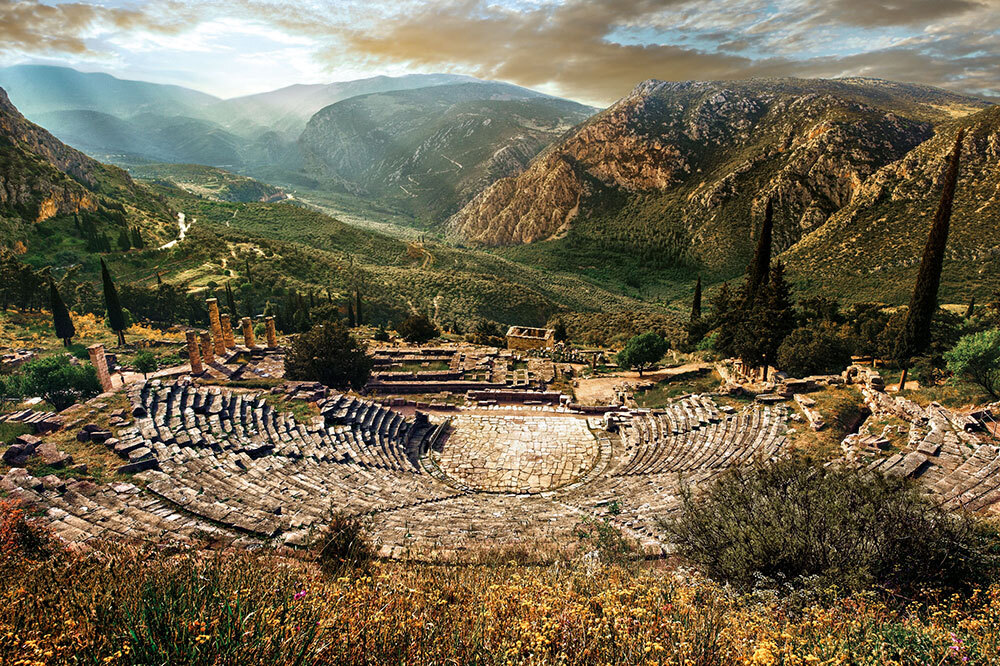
(814, 351)
(56, 380)
(344, 544)
(417, 329)
(793, 520)
(145, 362)
(329, 354)
(977, 358)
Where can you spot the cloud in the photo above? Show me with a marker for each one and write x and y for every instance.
(591, 50)
(42, 29)
(570, 46)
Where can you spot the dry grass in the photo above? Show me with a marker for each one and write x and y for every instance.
(120, 604)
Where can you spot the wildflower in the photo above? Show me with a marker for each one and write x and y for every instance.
(298, 595)
(201, 639)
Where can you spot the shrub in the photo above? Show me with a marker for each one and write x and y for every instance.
(417, 329)
(329, 354)
(793, 520)
(344, 544)
(814, 351)
(56, 380)
(977, 357)
(145, 362)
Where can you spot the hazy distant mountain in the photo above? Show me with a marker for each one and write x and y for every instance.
(145, 137)
(38, 89)
(287, 110)
(431, 149)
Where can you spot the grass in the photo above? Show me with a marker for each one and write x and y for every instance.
(9, 431)
(841, 407)
(432, 366)
(955, 393)
(665, 391)
(123, 604)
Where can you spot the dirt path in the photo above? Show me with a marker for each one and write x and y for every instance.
(601, 390)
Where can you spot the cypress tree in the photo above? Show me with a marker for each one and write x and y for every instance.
(357, 308)
(124, 242)
(137, 241)
(65, 330)
(971, 310)
(230, 300)
(760, 267)
(159, 280)
(916, 335)
(696, 301)
(116, 318)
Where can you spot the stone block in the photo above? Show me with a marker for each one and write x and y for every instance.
(53, 457)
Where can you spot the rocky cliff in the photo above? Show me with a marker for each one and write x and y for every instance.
(872, 246)
(684, 169)
(41, 177)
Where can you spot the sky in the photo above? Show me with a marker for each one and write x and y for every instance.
(593, 51)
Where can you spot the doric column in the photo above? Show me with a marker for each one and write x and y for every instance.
(272, 336)
(216, 325)
(227, 332)
(194, 353)
(207, 351)
(248, 333)
(100, 363)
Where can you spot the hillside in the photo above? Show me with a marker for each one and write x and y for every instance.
(429, 150)
(677, 174)
(208, 182)
(872, 247)
(42, 178)
(287, 110)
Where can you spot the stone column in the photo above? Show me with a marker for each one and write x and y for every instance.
(227, 332)
(248, 333)
(194, 353)
(100, 363)
(272, 336)
(207, 353)
(216, 325)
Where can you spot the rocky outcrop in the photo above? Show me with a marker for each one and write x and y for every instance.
(879, 234)
(699, 160)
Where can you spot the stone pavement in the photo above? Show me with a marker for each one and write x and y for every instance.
(516, 454)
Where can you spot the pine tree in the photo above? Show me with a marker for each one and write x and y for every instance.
(63, 322)
(696, 301)
(116, 318)
(916, 335)
(760, 267)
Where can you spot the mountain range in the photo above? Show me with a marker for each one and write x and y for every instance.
(667, 183)
(678, 174)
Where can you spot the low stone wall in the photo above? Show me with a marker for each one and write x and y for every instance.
(544, 397)
(428, 387)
